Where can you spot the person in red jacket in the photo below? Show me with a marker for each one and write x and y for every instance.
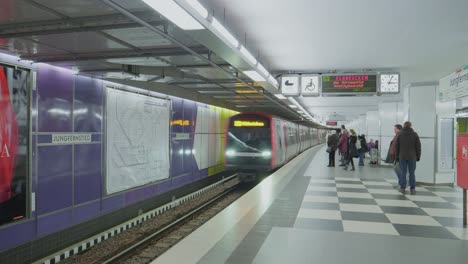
(343, 146)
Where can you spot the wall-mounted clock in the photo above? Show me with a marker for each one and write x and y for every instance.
(389, 83)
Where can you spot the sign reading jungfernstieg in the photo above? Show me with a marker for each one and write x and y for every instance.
(69, 138)
(454, 86)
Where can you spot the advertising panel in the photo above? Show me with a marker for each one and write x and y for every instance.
(14, 142)
(462, 161)
(137, 139)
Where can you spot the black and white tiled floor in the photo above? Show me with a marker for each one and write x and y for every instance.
(372, 205)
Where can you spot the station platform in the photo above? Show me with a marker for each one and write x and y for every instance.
(306, 212)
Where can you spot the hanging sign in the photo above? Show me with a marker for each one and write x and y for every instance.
(310, 85)
(349, 84)
(290, 85)
(454, 86)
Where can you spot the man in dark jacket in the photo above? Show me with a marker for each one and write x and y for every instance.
(408, 152)
(332, 144)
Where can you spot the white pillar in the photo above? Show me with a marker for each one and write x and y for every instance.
(421, 105)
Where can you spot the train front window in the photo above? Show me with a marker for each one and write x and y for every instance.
(249, 140)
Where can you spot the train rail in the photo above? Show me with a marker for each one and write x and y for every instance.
(146, 242)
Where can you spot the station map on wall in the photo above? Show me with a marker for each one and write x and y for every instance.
(137, 140)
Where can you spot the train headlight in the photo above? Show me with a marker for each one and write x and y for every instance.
(266, 153)
(230, 153)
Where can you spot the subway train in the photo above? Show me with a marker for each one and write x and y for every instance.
(258, 143)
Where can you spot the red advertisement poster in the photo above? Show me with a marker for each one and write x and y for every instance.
(14, 135)
(462, 161)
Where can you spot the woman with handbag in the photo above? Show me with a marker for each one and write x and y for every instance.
(352, 150)
(332, 144)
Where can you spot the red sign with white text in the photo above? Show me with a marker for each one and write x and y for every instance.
(462, 161)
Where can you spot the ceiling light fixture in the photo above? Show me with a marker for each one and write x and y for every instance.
(201, 10)
(254, 75)
(273, 80)
(176, 14)
(280, 96)
(262, 69)
(248, 55)
(225, 33)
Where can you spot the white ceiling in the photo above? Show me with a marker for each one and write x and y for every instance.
(423, 39)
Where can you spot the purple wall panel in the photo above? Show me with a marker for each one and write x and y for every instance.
(96, 138)
(54, 178)
(190, 113)
(17, 234)
(44, 139)
(85, 212)
(55, 88)
(33, 164)
(87, 172)
(112, 203)
(177, 159)
(177, 114)
(151, 191)
(33, 110)
(164, 186)
(88, 104)
(134, 196)
(55, 222)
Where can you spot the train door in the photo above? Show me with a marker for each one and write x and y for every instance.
(280, 141)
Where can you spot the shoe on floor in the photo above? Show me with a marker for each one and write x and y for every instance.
(402, 190)
(353, 169)
(412, 191)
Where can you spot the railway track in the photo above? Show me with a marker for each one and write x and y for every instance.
(145, 243)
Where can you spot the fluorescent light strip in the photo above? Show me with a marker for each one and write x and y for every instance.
(254, 75)
(292, 106)
(263, 70)
(273, 80)
(201, 10)
(280, 96)
(225, 33)
(176, 14)
(248, 55)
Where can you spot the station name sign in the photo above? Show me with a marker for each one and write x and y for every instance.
(454, 86)
(345, 84)
(71, 138)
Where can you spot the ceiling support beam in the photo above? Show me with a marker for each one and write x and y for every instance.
(79, 24)
(124, 11)
(170, 51)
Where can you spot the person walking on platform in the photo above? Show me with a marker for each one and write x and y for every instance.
(363, 149)
(352, 150)
(407, 152)
(391, 158)
(332, 144)
(343, 146)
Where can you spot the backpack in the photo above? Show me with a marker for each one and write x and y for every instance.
(358, 144)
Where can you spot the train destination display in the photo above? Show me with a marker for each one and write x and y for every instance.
(349, 84)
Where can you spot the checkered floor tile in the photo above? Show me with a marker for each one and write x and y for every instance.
(374, 206)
